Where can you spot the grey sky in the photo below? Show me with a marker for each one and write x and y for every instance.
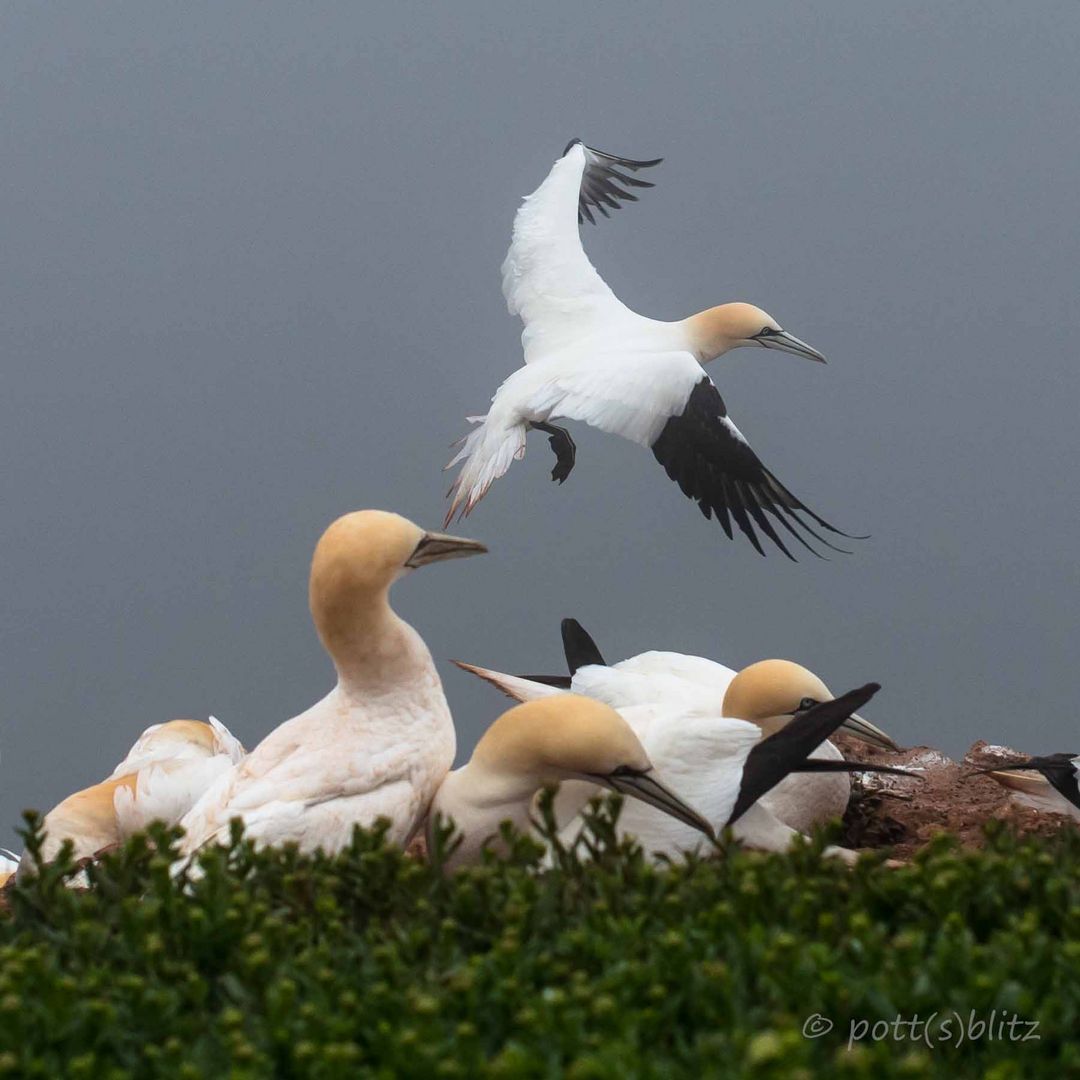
(249, 272)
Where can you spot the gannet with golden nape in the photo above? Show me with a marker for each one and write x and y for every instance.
(590, 358)
(657, 682)
(1052, 789)
(380, 743)
(646, 693)
(547, 742)
(164, 774)
(724, 767)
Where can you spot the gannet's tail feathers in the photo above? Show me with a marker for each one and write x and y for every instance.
(518, 687)
(486, 453)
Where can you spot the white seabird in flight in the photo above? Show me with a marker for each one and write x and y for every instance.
(380, 743)
(590, 358)
(546, 742)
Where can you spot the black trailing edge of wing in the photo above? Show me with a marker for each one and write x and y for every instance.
(704, 453)
(605, 179)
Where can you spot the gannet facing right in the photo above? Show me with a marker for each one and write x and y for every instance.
(380, 743)
(724, 766)
(546, 742)
(590, 358)
(658, 683)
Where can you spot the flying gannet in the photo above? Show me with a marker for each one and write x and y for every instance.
(590, 358)
(724, 766)
(540, 743)
(653, 682)
(380, 743)
(1053, 789)
(162, 777)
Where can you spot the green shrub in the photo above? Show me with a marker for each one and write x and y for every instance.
(371, 964)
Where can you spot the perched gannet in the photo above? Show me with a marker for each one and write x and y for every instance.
(724, 766)
(380, 743)
(1055, 791)
(654, 675)
(588, 357)
(661, 683)
(9, 863)
(546, 742)
(167, 770)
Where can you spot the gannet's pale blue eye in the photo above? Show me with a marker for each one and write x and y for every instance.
(806, 703)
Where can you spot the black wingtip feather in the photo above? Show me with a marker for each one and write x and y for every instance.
(579, 647)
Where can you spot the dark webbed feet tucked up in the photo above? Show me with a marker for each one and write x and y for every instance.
(563, 445)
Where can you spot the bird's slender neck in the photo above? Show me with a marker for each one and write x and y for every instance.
(370, 645)
(706, 335)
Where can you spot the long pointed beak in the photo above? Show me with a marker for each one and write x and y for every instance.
(789, 343)
(1033, 763)
(863, 730)
(437, 547)
(648, 789)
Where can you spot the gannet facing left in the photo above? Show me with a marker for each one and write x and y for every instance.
(164, 774)
(590, 358)
(547, 742)
(1054, 789)
(380, 743)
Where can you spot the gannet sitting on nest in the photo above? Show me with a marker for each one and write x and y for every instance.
(1053, 789)
(545, 742)
(380, 743)
(658, 680)
(167, 770)
(590, 358)
(724, 766)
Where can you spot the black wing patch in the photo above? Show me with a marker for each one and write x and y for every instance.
(601, 180)
(705, 454)
(580, 649)
(773, 758)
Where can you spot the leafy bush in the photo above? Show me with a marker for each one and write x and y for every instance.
(371, 964)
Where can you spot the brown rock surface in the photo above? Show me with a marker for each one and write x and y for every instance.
(892, 811)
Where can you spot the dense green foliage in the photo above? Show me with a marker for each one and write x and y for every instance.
(372, 964)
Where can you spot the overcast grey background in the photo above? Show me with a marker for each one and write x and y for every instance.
(249, 271)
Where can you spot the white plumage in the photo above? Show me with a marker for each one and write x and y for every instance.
(163, 775)
(380, 743)
(590, 358)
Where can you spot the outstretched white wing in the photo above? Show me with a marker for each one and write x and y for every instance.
(547, 278)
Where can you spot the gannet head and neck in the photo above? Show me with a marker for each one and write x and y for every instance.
(770, 692)
(717, 330)
(356, 561)
(566, 737)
